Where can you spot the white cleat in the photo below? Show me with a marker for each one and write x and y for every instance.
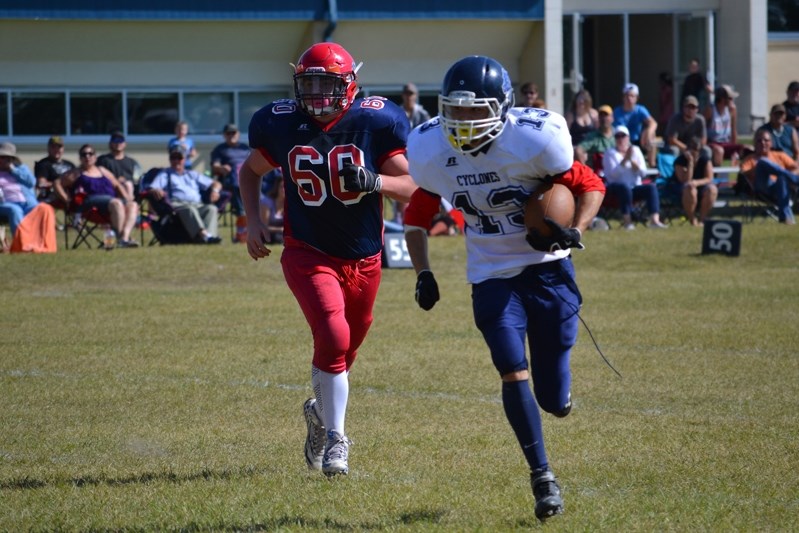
(336, 454)
(315, 441)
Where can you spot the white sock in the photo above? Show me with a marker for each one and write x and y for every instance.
(335, 392)
(316, 383)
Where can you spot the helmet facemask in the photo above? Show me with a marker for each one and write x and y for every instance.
(322, 93)
(469, 135)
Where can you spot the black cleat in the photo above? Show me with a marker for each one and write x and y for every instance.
(566, 408)
(547, 494)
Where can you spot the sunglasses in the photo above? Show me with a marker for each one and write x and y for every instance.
(175, 156)
(86, 154)
(528, 92)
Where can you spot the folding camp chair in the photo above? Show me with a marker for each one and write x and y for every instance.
(88, 223)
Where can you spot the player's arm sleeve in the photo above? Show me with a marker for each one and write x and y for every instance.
(589, 190)
(258, 138)
(558, 155)
(424, 205)
(418, 219)
(393, 137)
(580, 179)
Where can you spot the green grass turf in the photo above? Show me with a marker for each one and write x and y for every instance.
(160, 389)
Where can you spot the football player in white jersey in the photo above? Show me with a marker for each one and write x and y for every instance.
(486, 158)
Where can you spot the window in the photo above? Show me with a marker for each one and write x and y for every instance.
(783, 16)
(208, 112)
(152, 113)
(250, 102)
(3, 113)
(39, 113)
(95, 113)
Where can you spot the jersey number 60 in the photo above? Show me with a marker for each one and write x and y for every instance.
(308, 166)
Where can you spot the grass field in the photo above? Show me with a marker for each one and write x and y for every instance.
(160, 389)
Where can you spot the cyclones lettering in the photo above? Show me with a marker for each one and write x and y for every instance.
(477, 179)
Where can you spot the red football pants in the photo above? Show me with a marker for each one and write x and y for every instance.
(337, 297)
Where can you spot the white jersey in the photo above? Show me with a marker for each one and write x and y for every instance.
(491, 187)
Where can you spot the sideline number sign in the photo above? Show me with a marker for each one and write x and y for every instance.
(722, 237)
(395, 251)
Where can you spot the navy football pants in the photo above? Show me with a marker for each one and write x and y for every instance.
(541, 303)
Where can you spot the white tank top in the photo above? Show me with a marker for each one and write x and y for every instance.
(720, 128)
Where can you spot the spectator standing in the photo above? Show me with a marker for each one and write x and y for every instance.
(791, 104)
(639, 122)
(49, 169)
(624, 168)
(721, 119)
(696, 84)
(581, 117)
(124, 168)
(413, 110)
(183, 188)
(684, 126)
(99, 188)
(416, 115)
(183, 140)
(593, 147)
(517, 291)
(693, 182)
(333, 229)
(772, 173)
(226, 160)
(783, 136)
(529, 92)
(17, 196)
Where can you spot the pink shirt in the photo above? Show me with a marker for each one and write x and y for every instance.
(12, 190)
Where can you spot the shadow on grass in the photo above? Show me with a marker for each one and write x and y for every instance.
(27, 483)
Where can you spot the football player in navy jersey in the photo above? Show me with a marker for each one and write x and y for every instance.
(339, 156)
(486, 158)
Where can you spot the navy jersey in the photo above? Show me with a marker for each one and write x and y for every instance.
(318, 210)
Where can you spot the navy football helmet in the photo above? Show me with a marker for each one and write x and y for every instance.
(482, 86)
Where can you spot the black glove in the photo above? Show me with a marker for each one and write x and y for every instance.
(426, 290)
(560, 239)
(360, 179)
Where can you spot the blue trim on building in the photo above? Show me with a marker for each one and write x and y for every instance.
(269, 10)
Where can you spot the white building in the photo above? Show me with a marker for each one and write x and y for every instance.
(81, 72)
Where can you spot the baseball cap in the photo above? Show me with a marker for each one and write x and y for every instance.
(778, 108)
(621, 130)
(230, 128)
(793, 86)
(690, 100)
(56, 140)
(117, 137)
(732, 93)
(177, 149)
(410, 88)
(630, 88)
(605, 109)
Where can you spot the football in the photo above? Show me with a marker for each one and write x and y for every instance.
(553, 201)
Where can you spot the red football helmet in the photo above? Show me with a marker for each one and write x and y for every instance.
(324, 80)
